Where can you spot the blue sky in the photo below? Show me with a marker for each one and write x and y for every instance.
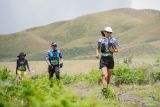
(17, 15)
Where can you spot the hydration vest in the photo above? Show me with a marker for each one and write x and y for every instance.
(105, 47)
(22, 66)
(54, 57)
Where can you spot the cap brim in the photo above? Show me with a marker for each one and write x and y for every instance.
(21, 55)
(54, 45)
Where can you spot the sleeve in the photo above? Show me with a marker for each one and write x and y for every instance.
(60, 54)
(99, 43)
(47, 56)
(115, 43)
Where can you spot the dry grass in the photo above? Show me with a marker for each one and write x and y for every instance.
(70, 66)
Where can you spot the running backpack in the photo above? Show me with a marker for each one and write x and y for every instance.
(22, 65)
(103, 45)
(54, 57)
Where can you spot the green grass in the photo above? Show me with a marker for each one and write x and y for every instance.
(80, 90)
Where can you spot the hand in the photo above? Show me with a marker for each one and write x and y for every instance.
(61, 65)
(111, 49)
(97, 56)
(50, 66)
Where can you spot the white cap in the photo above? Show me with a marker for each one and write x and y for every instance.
(108, 29)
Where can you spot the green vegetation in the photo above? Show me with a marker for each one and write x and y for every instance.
(81, 90)
(138, 35)
(127, 75)
(108, 92)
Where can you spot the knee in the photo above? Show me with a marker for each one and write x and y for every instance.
(105, 77)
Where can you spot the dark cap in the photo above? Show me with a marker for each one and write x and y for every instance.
(21, 54)
(54, 44)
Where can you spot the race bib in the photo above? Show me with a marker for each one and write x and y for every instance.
(54, 62)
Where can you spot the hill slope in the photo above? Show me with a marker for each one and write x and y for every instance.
(136, 30)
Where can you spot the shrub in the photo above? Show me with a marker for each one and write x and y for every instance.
(95, 76)
(155, 75)
(108, 92)
(125, 75)
(5, 74)
(140, 75)
(122, 74)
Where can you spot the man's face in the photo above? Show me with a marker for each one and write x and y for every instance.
(54, 47)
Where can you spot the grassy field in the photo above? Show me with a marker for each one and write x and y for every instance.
(131, 86)
(70, 66)
(77, 66)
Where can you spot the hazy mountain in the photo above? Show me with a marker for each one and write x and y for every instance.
(136, 30)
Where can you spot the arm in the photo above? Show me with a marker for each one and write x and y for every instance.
(98, 50)
(16, 67)
(27, 66)
(114, 46)
(61, 60)
(47, 59)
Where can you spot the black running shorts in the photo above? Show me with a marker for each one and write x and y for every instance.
(106, 61)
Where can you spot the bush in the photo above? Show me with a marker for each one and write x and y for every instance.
(122, 74)
(95, 76)
(155, 75)
(108, 92)
(127, 75)
(140, 75)
(5, 74)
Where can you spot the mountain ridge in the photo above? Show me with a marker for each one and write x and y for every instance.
(77, 38)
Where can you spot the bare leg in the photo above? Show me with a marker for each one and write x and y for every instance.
(109, 75)
(105, 76)
(20, 76)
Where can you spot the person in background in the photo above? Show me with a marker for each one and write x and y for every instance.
(54, 61)
(21, 65)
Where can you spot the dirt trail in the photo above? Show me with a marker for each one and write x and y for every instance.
(131, 98)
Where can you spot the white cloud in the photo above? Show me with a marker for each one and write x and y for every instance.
(146, 4)
(17, 15)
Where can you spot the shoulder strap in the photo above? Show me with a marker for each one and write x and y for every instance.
(50, 53)
(57, 54)
(109, 39)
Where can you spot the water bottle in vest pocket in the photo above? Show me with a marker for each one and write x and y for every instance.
(103, 47)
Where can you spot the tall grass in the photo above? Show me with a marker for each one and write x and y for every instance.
(38, 91)
(123, 74)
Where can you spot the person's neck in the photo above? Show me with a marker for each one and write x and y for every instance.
(54, 49)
